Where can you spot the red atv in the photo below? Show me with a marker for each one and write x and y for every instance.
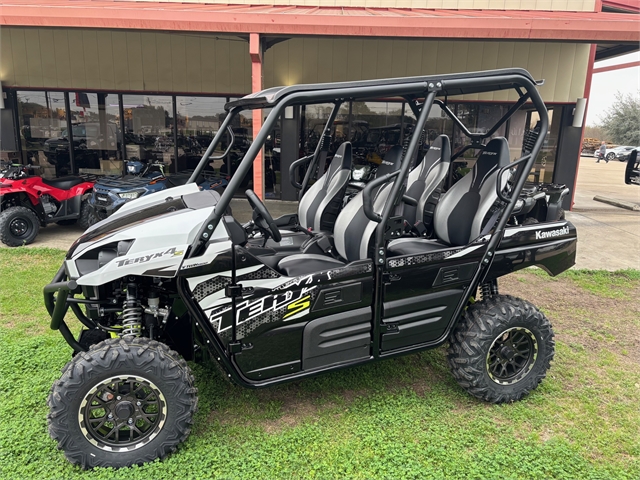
(28, 201)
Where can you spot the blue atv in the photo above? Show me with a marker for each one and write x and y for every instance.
(111, 192)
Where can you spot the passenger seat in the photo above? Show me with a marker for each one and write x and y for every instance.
(423, 183)
(320, 205)
(460, 214)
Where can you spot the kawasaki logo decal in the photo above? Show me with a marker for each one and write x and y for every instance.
(540, 235)
(146, 258)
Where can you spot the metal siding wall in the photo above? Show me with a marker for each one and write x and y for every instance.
(93, 59)
(311, 60)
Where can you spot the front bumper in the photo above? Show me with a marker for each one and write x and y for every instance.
(58, 299)
(105, 203)
(58, 305)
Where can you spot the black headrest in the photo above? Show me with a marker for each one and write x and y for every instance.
(439, 151)
(342, 158)
(495, 155)
(391, 161)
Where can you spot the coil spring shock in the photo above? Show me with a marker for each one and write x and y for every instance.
(131, 313)
(488, 289)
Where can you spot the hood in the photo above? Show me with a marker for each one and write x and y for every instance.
(174, 201)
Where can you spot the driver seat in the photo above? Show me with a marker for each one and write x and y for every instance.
(321, 204)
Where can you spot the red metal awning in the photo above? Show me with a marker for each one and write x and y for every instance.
(588, 27)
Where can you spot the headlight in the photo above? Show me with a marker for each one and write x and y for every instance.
(357, 174)
(129, 195)
(131, 169)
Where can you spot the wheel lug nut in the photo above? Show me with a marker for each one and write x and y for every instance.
(130, 421)
(118, 397)
(138, 403)
(110, 416)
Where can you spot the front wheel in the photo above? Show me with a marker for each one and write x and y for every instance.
(124, 402)
(18, 226)
(501, 349)
(87, 216)
(611, 156)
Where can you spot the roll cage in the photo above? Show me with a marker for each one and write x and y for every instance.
(420, 93)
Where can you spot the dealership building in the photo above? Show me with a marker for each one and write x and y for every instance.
(86, 84)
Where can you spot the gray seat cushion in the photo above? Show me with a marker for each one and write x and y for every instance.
(305, 263)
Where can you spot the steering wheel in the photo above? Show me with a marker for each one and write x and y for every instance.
(261, 216)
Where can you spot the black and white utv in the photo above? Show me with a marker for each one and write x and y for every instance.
(409, 263)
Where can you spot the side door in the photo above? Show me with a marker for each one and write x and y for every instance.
(286, 325)
(421, 293)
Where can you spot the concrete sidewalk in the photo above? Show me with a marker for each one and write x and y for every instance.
(608, 237)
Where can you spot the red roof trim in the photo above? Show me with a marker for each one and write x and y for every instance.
(300, 20)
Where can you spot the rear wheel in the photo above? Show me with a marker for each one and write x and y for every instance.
(18, 226)
(124, 402)
(501, 349)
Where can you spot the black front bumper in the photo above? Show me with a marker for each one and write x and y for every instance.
(58, 306)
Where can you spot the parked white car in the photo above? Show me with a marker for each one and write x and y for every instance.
(614, 152)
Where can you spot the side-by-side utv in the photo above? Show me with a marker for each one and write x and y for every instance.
(409, 263)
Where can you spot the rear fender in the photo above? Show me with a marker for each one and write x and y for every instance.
(550, 246)
(80, 190)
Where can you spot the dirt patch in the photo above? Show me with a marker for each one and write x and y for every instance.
(580, 318)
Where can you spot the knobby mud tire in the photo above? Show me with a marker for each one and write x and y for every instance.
(140, 357)
(87, 215)
(483, 324)
(23, 214)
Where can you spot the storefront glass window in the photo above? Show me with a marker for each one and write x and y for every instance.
(148, 130)
(438, 123)
(95, 119)
(43, 131)
(545, 161)
(198, 120)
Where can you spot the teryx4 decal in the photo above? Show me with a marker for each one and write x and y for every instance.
(146, 258)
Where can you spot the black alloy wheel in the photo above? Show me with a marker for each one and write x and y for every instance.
(512, 355)
(122, 413)
(18, 226)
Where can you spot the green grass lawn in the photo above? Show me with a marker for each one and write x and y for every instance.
(403, 418)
